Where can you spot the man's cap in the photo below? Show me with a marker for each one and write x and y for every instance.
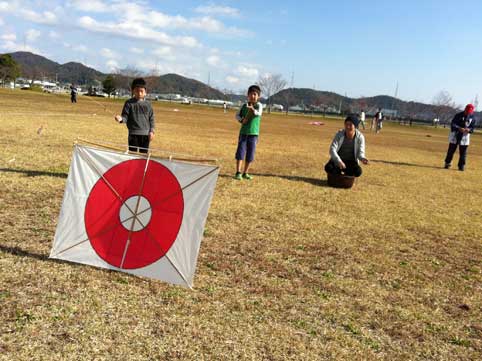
(469, 109)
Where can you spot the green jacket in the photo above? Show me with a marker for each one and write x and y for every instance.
(252, 126)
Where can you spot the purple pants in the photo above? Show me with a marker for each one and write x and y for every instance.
(246, 147)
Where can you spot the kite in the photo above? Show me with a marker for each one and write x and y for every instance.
(134, 213)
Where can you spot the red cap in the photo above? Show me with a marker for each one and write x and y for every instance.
(469, 109)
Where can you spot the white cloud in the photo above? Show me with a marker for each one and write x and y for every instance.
(80, 47)
(90, 5)
(9, 37)
(32, 34)
(164, 52)
(45, 17)
(2, 22)
(213, 60)
(232, 80)
(23, 10)
(133, 30)
(213, 9)
(112, 65)
(11, 46)
(137, 50)
(108, 53)
(131, 14)
(247, 72)
(5, 6)
(53, 34)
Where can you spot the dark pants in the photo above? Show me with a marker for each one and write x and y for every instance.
(73, 98)
(352, 168)
(138, 143)
(462, 152)
(246, 147)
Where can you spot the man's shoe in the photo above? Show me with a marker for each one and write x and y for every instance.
(247, 176)
(461, 169)
(237, 176)
(447, 165)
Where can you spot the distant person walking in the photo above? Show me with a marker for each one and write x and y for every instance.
(378, 120)
(225, 106)
(461, 127)
(362, 119)
(73, 94)
(139, 117)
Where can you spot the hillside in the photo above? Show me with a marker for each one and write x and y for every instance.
(173, 83)
(311, 97)
(38, 67)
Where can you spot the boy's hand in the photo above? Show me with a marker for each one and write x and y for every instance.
(151, 136)
(364, 161)
(118, 118)
(342, 165)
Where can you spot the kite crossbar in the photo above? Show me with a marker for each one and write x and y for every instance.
(171, 156)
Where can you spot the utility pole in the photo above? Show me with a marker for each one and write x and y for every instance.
(395, 97)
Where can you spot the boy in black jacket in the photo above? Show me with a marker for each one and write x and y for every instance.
(139, 117)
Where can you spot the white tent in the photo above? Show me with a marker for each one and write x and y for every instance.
(134, 213)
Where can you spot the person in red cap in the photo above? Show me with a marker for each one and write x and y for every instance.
(460, 129)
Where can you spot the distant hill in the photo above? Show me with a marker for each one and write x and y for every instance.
(173, 83)
(309, 97)
(34, 66)
(38, 67)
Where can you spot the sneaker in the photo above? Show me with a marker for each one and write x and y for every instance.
(461, 169)
(247, 176)
(447, 165)
(237, 176)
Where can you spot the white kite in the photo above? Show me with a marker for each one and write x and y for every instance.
(134, 213)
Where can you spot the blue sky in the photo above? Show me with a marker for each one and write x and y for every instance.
(361, 48)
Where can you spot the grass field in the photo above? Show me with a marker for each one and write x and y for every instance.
(289, 268)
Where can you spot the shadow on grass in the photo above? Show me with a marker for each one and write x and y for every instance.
(16, 251)
(34, 173)
(294, 178)
(404, 164)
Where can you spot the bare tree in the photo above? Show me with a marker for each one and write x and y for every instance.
(271, 84)
(444, 106)
(286, 97)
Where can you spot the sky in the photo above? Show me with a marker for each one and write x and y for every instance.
(357, 48)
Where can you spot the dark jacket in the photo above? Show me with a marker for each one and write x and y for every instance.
(139, 116)
(461, 120)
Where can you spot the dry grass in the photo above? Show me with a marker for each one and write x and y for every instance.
(289, 268)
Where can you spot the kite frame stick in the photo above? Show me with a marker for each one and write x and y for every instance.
(192, 160)
(136, 210)
(107, 182)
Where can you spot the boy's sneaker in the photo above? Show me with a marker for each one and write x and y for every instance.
(447, 165)
(247, 176)
(237, 176)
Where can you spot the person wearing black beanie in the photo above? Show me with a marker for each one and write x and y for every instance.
(347, 149)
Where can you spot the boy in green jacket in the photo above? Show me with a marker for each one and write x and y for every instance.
(249, 116)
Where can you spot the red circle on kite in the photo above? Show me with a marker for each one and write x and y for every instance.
(133, 213)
